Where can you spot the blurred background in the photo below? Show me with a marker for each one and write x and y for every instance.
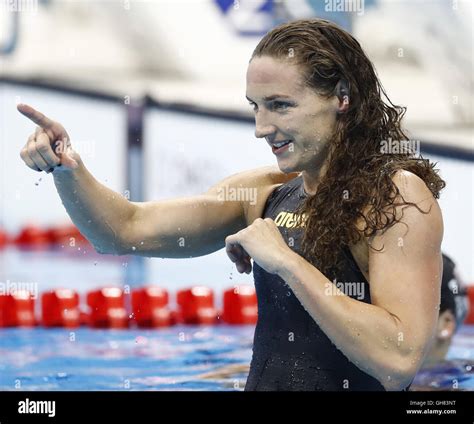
(152, 94)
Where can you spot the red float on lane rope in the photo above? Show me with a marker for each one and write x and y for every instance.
(240, 305)
(3, 239)
(107, 308)
(32, 236)
(196, 305)
(17, 309)
(150, 307)
(60, 308)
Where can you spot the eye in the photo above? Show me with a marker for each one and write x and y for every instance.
(279, 105)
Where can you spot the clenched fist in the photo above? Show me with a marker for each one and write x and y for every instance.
(49, 148)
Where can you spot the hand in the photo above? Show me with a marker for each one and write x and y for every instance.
(38, 152)
(260, 241)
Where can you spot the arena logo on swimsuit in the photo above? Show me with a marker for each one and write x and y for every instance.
(289, 220)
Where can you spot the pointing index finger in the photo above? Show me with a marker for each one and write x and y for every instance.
(37, 117)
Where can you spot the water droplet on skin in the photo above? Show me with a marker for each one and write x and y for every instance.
(141, 242)
(134, 248)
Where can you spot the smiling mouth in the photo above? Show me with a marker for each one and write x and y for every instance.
(281, 146)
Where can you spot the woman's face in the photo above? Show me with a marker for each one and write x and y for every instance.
(286, 110)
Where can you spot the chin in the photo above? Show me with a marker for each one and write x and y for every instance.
(288, 168)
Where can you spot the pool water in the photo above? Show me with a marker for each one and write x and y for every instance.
(89, 359)
(175, 358)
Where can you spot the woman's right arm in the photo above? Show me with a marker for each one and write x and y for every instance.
(175, 228)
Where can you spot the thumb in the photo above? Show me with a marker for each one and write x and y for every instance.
(64, 151)
(68, 161)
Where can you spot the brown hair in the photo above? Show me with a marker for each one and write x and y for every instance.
(359, 174)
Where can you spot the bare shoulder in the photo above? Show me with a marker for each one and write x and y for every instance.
(417, 211)
(425, 218)
(251, 188)
(412, 187)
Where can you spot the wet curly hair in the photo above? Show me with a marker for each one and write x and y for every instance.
(358, 182)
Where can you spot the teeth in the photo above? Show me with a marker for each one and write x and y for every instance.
(278, 145)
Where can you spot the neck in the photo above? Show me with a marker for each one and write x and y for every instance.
(313, 176)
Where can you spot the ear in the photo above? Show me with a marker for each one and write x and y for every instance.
(342, 93)
(446, 326)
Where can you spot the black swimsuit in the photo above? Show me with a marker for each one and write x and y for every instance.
(290, 351)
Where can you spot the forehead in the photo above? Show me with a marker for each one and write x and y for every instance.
(267, 74)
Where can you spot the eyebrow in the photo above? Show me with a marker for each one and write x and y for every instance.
(270, 98)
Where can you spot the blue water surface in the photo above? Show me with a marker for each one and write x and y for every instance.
(175, 358)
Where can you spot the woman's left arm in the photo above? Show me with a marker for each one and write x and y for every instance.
(388, 338)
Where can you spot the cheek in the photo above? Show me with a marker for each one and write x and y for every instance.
(319, 132)
(313, 140)
(309, 129)
(289, 125)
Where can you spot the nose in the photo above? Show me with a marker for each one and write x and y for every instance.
(263, 128)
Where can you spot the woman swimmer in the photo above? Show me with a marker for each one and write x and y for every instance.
(344, 237)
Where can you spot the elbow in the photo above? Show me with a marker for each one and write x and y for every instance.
(114, 240)
(103, 250)
(110, 249)
(399, 374)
